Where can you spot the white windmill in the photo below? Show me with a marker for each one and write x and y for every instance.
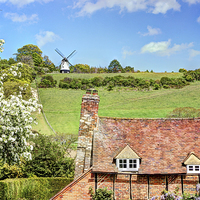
(65, 64)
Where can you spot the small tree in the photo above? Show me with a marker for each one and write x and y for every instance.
(114, 66)
(15, 122)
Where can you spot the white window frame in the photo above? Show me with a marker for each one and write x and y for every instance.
(128, 163)
(195, 169)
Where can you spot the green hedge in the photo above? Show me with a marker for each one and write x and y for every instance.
(32, 188)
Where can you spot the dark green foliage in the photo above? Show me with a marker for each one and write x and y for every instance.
(47, 82)
(185, 112)
(129, 69)
(49, 158)
(156, 86)
(96, 81)
(122, 81)
(32, 188)
(101, 193)
(114, 66)
(192, 75)
(167, 82)
(182, 70)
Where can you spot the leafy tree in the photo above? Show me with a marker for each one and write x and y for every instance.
(47, 63)
(129, 69)
(114, 66)
(49, 157)
(182, 70)
(81, 68)
(28, 50)
(27, 60)
(37, 59)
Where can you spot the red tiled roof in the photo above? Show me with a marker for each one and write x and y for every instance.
(162, 144)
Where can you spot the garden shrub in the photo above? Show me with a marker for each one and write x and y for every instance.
(184, 112)
(47, 82)
(96, 81)
(32, 188)
(101, 193)
(156, 86)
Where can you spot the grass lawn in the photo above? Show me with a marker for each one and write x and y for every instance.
(62, 107)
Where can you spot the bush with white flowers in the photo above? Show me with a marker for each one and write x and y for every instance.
(1, 45)
(15, 124)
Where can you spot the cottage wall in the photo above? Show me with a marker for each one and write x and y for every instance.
(126, 187)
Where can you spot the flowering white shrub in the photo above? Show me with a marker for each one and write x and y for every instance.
(15, 124)
(1, 45)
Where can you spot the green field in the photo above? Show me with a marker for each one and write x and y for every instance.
(62, 107)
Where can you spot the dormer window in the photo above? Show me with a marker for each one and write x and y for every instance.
(193, 168)
(128, 164)
(127, 160)
(192, 163)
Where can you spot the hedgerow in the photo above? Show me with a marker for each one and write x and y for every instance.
(122, 81)
(32, 188)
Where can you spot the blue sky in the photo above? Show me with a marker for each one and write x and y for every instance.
(158, 35)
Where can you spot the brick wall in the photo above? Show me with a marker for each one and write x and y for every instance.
(127, 187)
(78, 189)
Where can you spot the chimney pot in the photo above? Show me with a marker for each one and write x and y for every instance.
(88, 91)
(95, 92)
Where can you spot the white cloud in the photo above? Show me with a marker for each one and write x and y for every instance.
(154, 6)
(192, 1)
(162, 6)
(152, 31)
(21, 3)
(45, 37)
(194, 53)
(21, 18)
(163, 49)
(126, 52)
(198, 19)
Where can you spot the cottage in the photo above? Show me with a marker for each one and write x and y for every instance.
(135, 158)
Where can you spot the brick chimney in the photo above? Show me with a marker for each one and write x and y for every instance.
(88, 123)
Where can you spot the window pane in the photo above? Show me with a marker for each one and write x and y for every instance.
(120, 166)
(190, 168)
(134, 161)
(134, 166)
(120, 161)
(130, 161)
(124, 161)
(196, 168)
(125, 166)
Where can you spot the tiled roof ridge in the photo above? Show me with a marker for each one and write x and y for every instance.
(126, 118)
(72, 183)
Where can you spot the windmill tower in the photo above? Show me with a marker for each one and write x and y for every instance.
(65, 64)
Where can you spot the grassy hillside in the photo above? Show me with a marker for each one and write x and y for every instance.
(147, 76)
(62, 107)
